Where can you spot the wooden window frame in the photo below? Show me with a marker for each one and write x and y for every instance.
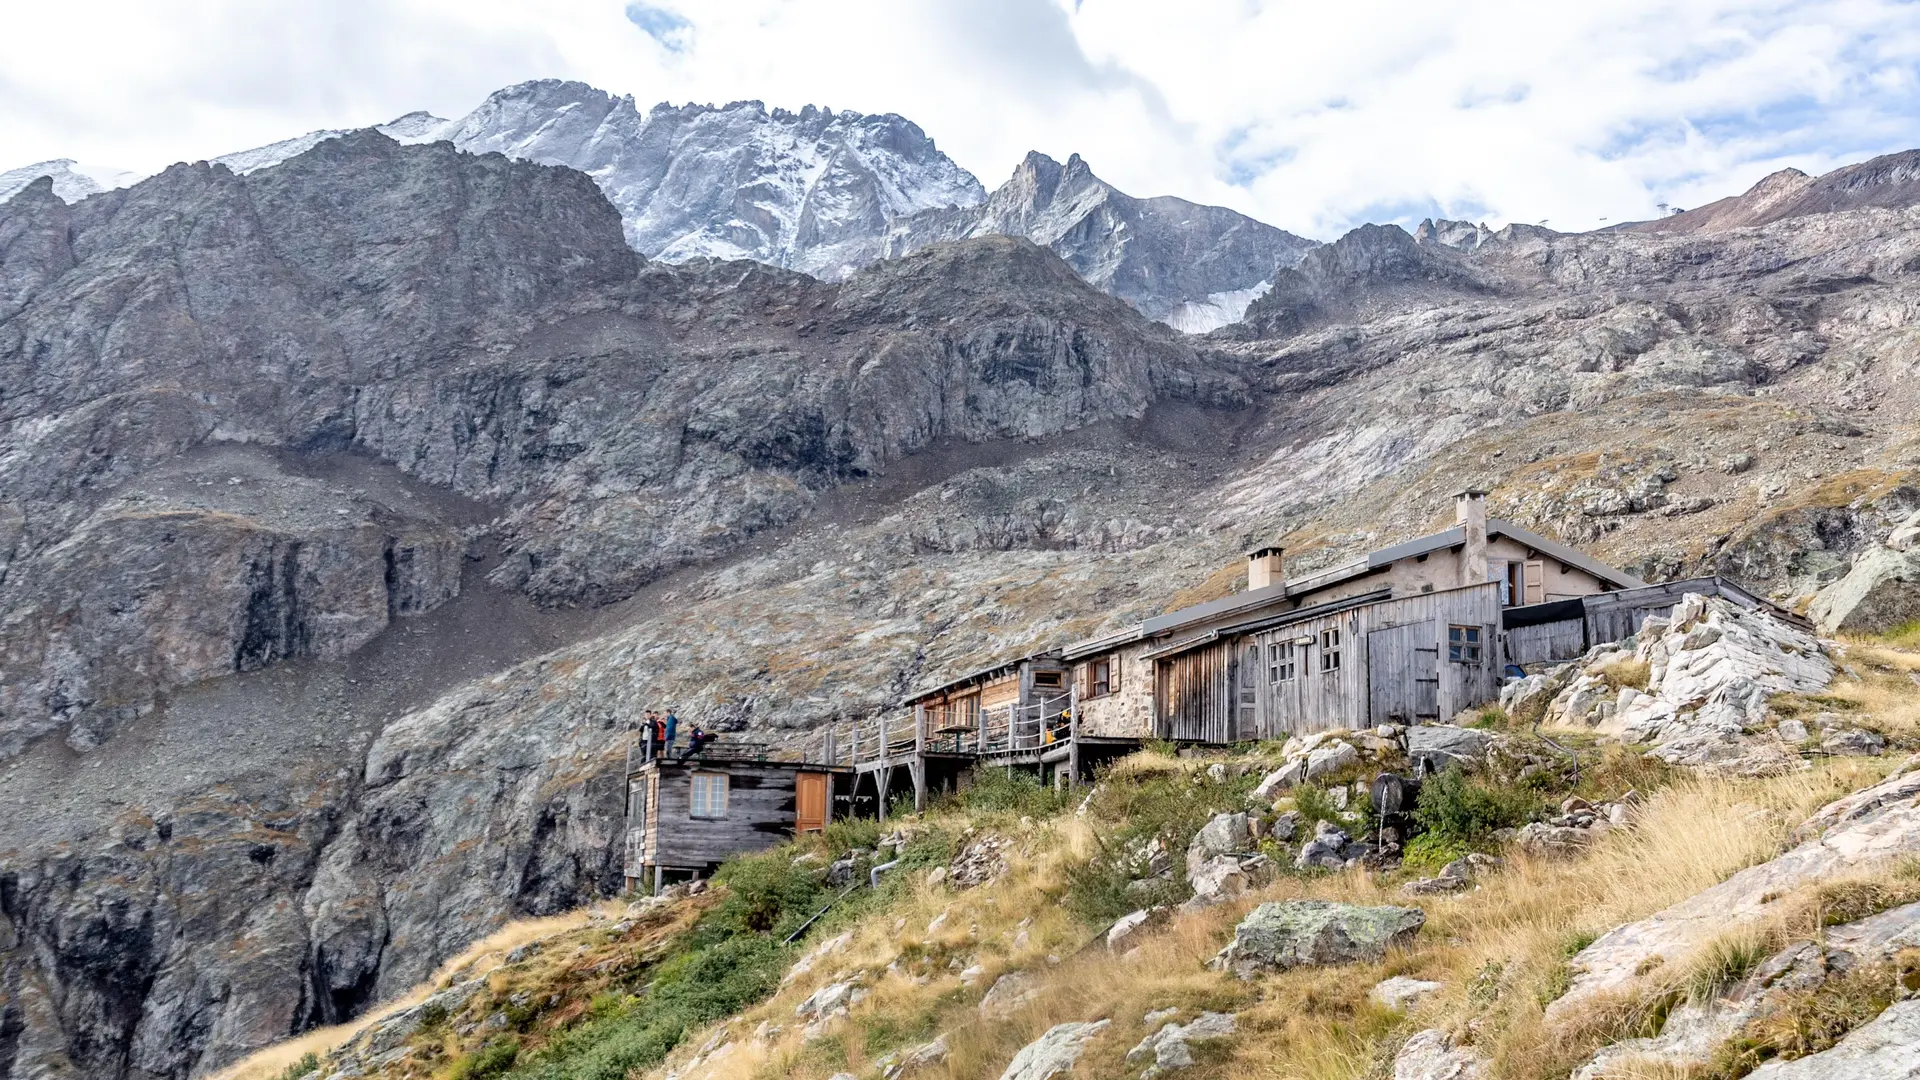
(1330, 650)
(1281, 663)
(703, 813)
(1055, 680)
(1466, 644)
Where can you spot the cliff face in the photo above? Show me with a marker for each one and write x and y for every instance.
(349, 508)
(284, 456)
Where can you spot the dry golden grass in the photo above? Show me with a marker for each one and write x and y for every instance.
(482, 956)
(1501, 950)
(1879, 686)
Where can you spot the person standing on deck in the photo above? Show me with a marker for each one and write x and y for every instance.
(673, 729)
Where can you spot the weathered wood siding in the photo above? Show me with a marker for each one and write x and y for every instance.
(1547, 643)
(1403, 674)
(760, 813)
(1613, 616)
(1193, 694)
(1393, 653)
(1000, 692)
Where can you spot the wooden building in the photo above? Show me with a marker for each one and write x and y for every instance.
(1405, 634)
(1409, 634)
(688, 813)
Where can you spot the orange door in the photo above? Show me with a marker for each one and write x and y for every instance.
(810, 802)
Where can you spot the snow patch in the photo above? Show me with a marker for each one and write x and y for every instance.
(1217, 310)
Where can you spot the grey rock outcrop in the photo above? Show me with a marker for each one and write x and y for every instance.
(1055, 1052)
(1870, 828)
(1887, 1048)
(1171, 1047)
(1695, 1031)
(1223, 834)
(1432, 1055)
(1433, 747)
(1711, 669)
(1880, 593)
(1279, 935)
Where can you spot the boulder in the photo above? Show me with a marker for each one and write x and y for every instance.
(1711, 669)
(1528, 698)
(1886, 1049)
(1009, 994)
(1402, 994)
(1280, 779)
(1906, 535)
(1326, 851)
(1330, 758)
(1224, 834)
(1054, 1053)
(1431, 1055)
(1217, 881)
(1880, 593)
(1280, 935)
(1127, 929)
(1433, 747)
(827, 1000)
(981, 861)
(1170, 1047)
(1286, 826)
(1854, 742)
(900, 1062)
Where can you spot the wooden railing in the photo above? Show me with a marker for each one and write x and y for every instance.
(1002, 729)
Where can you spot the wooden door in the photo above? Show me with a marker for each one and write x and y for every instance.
(1403, 674)
(1247, 694)
(1536, 581)
(810, 802)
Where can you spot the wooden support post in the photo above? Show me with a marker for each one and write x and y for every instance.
(880, 785)
(659, 873)
(1073, 736)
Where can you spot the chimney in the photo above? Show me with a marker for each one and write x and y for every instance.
(1470, 511)
(1265, 569)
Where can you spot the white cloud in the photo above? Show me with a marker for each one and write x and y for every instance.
(1309, 115)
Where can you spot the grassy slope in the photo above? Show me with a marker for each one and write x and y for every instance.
(1501, 949)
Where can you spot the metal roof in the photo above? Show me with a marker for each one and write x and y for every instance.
(1284, 618)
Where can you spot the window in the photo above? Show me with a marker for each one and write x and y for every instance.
(637, 800)
(1330, 650)
(1463, 644)
(1100, 678)
(709, 795)
(1280, 661)
(1046, 680)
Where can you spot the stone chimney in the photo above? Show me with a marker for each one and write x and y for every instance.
(1470, 511)
(1265, 568)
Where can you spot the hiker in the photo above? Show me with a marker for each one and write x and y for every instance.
(699, 739)
(657, 735)
(673, 728)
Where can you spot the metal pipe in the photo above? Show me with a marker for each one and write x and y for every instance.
(873, 875)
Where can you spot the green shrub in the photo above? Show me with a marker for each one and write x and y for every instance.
(308, 1062)
(765, 893)
(848, 834)
(1456, 808)
(493, 1059)
(1014, 792)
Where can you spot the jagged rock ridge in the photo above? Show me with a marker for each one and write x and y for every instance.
(1194, 267)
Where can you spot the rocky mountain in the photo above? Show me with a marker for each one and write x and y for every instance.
(828, 193)
(811, 190)
(349, 508)
(1193, 267)
(1891, 180)
(71, 180)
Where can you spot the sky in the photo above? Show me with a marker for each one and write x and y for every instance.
(1314, 117)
